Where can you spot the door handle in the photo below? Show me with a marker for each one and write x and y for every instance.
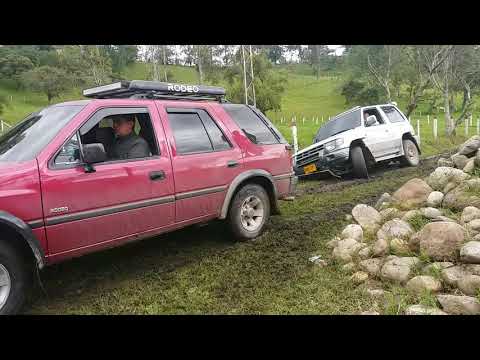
(157, 175)
(232, 163)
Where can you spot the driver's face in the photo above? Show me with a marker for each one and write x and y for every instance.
(122, 127)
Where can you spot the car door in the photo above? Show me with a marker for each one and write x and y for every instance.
(204, 159)
(377, 137)
(119, 201)
(397, 122)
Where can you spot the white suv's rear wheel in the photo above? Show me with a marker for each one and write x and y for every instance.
(411, 157)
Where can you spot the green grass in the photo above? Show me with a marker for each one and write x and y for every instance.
(418, 222)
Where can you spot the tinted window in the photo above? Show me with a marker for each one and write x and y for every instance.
(251, 124)
(219, 141)
(189, 133)
(339, 124)
(392, 114)
(29, 137)
(70, 152)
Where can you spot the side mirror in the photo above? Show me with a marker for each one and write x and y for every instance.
(94, 153)
(371, 120)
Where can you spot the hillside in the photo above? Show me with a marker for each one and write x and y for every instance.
(305, 97)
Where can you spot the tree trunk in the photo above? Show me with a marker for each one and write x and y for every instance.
(199, 65)
(449, 127)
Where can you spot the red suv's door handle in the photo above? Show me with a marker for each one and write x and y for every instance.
(157, 175)
(232, 163)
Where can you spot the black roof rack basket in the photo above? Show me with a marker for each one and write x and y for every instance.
(155, 90)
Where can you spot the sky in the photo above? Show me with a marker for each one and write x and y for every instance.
(338, 51)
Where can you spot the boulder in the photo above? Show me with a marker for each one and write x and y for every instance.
(476, 159)
(365, 253)
(473, 226)
(470, 213)
(399, 246)
(441, 240)
(423, 310)
(389, 213)
(422, 283)
(380, 248)
(436, 267)
(353, 231)
(431, 212)
(411, 214)
(435, 199)
(465, 194)
(399, 269)
(443, 218)
(442, 162)
(459, 305)
(469, 284)
(470, 252)
(470, 146)
(413, 193)
(442, 176)
(366, 216)
(469, 166)
(459, 160)
(346, 249)
(350, 267)
(359, 277)
(333, 243)
(386, 198)
(452, 275)
(414, 242)
(371, 266)
(395, 228)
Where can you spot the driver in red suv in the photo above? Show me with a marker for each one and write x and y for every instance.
(188, 158)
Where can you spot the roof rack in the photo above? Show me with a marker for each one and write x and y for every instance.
(140, 89)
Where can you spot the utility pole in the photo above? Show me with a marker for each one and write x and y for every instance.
(248, 75)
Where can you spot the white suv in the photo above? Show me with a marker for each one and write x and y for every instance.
(357, 139)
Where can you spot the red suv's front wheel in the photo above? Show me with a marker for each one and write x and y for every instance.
(249, 211)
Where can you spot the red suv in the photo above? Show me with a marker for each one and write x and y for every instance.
(62, 195)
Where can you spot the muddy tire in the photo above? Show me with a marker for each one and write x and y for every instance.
(15, 279)
(358, 162)
(411, 157)
(249, 211)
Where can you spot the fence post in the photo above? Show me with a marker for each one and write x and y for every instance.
(1, 122)
(418, 128)
(466, 127)
(303, 120)
(428, 119)
(478, 126)
(471, 120)
(294, 136)
(435, 129)
(322, 119)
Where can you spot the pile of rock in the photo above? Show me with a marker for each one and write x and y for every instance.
(442, 256)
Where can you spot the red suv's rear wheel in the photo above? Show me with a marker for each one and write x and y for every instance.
(249, 211)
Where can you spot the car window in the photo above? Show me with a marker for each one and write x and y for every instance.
(189, 133)
(392, 114)
(219, 141)
(69, 153)
(373, 111)
(251, 124)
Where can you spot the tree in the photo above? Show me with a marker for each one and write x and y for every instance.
(46, 79)
(99, 65)
(317, 52)
(357, 93)
(269, 84)
(12, 66)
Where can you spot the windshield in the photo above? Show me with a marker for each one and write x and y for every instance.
(339, 124)
(25, 140)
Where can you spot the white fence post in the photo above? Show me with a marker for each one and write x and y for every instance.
(294, 136)
(435, 129)
(466, 127)
(478, 126)
(428, 119)
(418, 128)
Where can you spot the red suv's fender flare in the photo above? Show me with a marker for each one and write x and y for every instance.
(239, 180)
(25, 232)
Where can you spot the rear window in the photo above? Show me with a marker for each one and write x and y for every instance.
(392, 114)
(254, 127)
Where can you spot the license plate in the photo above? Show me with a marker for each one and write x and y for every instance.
(309, 169)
